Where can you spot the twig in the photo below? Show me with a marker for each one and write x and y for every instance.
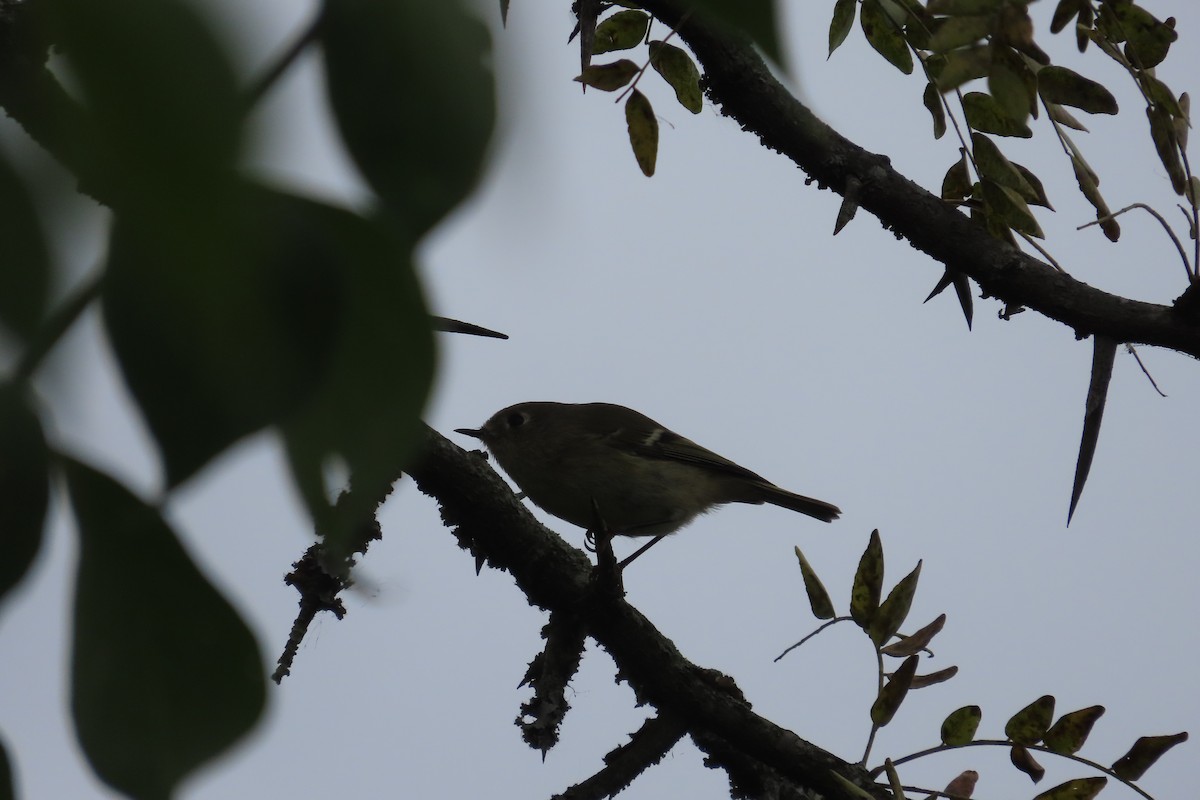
(1182, 255)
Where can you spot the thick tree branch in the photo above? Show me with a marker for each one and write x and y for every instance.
(740, 82)
(488, 519)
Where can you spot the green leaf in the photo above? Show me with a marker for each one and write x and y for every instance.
(621, 31)
(1064, 12)
(1077, 789)
(1037, 192)
(365, 413)
(958, 32)
(609, 77)
(963, 65)
(1061, 85)
(755, 18)
(246, 308)
(932, 99)
(884, 35)
(995, 167)
(25, 268)
(842, 22)
(1071, 730)
(818, 597)
(1147, 39)
(412, 92)
(1012, 83)
(1030, 724)
(679, 70)
(1145, 751)
(894, 610)
(1023, 760)
(1007, 206)
(1064, 117)
(868, 583)
(1089, 184)
(643, 131)
(983, 113)
(960, 726)
(893, 693)
(24, 485)
(1161, 95)
(164, 673)
(1162, 132)
(918, 641)
(956, 183)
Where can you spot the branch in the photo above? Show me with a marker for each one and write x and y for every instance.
(738, 80)
(488, 519)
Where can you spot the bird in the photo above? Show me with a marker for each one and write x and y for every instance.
(606, 467)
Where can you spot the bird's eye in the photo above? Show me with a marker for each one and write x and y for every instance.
(517, 419)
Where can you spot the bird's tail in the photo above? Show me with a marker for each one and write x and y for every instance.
(826, 512)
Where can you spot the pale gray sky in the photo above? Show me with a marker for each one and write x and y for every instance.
(713, 298)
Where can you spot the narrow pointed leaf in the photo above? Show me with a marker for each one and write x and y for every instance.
(1089, 185)
(24, 485)
(1071, 730)
(679, 70)
(894, 781)
(918, 641)
(164, 673)
(960, 726)
(1104, 353)
(933, 678)
(1063, 117)
(818, 598)
(1030, 724)
(1162, 132)
(894, 610)
(1077, 789)
(882, 33)
(892, 695)
(932, 99)
(609, 77)
(643, 131)
(842, 22)
(868, 583)
(1145, 751)
(621, 31)
(1023, 760)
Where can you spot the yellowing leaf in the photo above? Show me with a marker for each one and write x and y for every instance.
(643, 131)
(679, 70)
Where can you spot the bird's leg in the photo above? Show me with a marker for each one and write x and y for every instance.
(608, 571)
(641, 550)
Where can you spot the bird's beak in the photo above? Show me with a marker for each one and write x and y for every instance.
(476, 432)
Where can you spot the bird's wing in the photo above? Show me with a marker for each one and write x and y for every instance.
(655, 441)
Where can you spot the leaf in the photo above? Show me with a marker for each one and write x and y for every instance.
(894, 782)
(894, 610)
(1065, 87)
(1029, 724)
(413, 96)
(365, 413)
(933, 678)
(956, 184)
(165, 675)
(882, 33)
(842, 22)
(1147, 39)
(1036, 194)
(1071, 730)
(1064, 12)
(25, 273)
(24, 485)
(1064, 117)
(1077, 789)
(818, 597)
(245, 311)
(621, 31)
(956, 32)
(962, 785)
(1006, 206)
(1023, 760)
(1162, 132)
(1012, 84)
(932, 99)
(963, 65)
(960, 726)
(1104, 353)
(868, 583)
(984, 114)
(1090, 186)
(993, 166)
(918, 641)
(1145, 751)
(852, 788)
(892, 695)
(755, 18)
(679, 70)
(643, 131)
(609, 77)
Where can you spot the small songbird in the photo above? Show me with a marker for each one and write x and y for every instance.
(606, 467)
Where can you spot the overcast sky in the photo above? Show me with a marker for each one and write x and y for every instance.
(713, 298)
